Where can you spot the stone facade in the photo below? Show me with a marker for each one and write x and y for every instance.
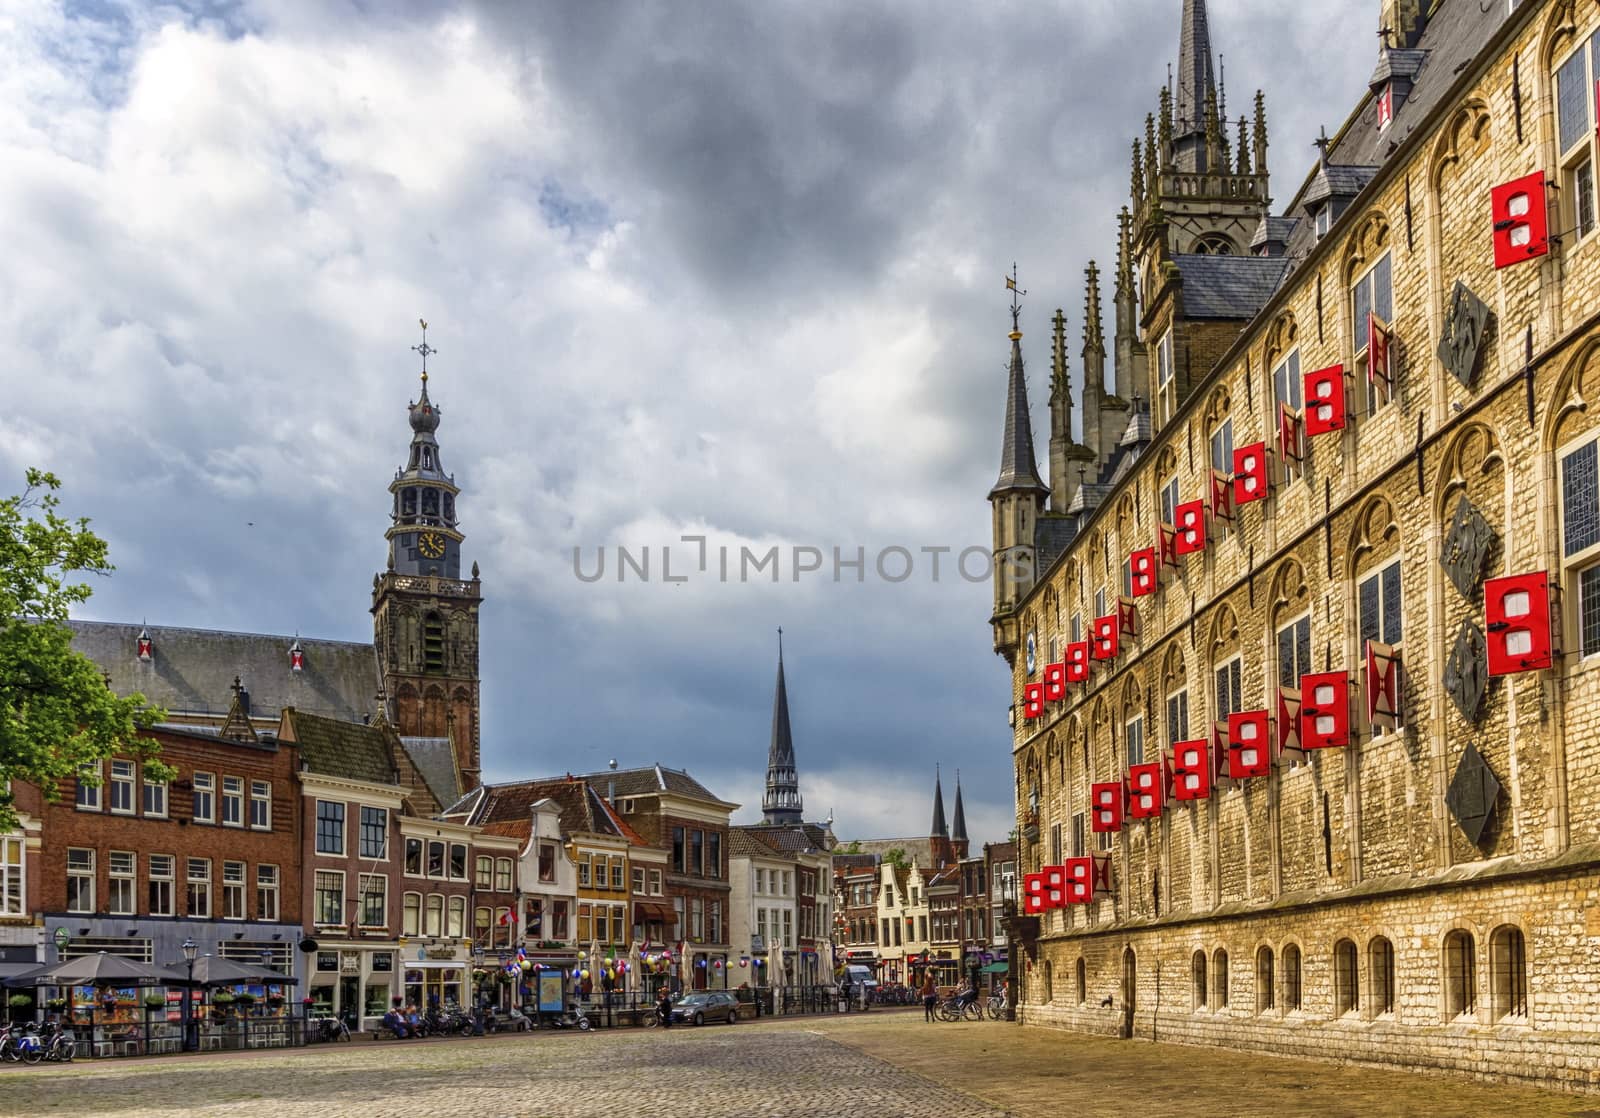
(1335, 907)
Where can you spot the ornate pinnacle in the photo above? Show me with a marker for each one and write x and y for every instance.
(1244, 146)
(1059, 385)
(1213, 132)
(1151, 177)
(1124, 251)
(1261, 133)
(1166, 121)
(1093, 340)
(1138, 175)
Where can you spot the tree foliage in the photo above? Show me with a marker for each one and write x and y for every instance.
(56, 712)
(897, 858)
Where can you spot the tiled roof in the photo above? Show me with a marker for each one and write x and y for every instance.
(650, 781)
(510, 828)
(580, 807)
(191, 671)
(1227, 286)
(435, 759)
(330, 747)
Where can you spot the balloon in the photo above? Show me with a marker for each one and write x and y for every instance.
(584, 973)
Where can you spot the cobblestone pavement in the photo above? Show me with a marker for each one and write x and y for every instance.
(886, 1065)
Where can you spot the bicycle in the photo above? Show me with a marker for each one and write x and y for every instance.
(996, 1007)
(331, 1029)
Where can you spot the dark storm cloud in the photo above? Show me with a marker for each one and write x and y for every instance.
(717, 267)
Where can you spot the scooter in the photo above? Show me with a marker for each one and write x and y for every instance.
(570, 1018)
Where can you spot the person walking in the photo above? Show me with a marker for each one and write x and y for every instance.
(664, 1009)
(930, 997)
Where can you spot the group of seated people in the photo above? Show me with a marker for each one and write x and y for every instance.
(403, 1020)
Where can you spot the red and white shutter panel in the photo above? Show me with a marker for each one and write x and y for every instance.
(1379, 369)
(1219, 750)
(1288, 721)
(1147, 789)
(1078, 880)
(1106, 802)
(1055, 682)
(1077, 661)
(1324, 710)
(1127, 617)
(1191, 770)
(1517, 612)
(1104, 642)
(297, 660)
(1168, 538)
(1521, 230)
(1142, 565)
(146, 649)
(1288, 434)
(1386, 107)
(1033, 893)
(1249, 473)
(1191, 527)
(1055, 882)
(1383, 685)
(1033, 700)
(1249, 744)
(1221, 496)
(1325, 406)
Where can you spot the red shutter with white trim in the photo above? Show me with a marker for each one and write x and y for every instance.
(1324, 710)
(1517, 612)
(1521, 230)
(1249, 473)
(1325, 405)
(1383, 686)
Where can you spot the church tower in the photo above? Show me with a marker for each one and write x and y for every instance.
(782, 803)
(1017, 499)
(424, 614)
(939, 844)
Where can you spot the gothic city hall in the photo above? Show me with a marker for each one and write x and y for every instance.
(1303, 614)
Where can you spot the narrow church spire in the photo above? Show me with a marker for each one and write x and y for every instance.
(1196, 82)
(958, 824)
(939, 830)
(782, 803)
(1018, 467)
(1094, 341)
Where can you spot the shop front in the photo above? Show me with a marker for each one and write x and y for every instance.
(355, 983)
(437, 973)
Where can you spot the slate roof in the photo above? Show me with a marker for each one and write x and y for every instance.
(191, 671)
(938, 826)
(435, 759)
(652, 780)
(1397, 63)
(1019, 469)
(580, 806)
(1227, 286)
(1337, 180)
(330, 747)
(958, 825)
(1271, 228)
(1052, 535)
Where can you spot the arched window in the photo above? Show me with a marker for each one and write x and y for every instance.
(1083, 982)
(1291, 978)
(1264, 985)
(1380, 976)
(408, 503)
(1508, 972)
(1460, 975)
(1213, 244)
(1576, 74)
(1346, 979)
(1200, 987)
(1219, 979)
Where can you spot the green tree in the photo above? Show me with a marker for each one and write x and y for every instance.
(897, 857)
(56, 712)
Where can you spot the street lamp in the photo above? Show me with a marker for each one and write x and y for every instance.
(190, 950)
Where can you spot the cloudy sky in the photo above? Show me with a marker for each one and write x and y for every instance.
(707, 269)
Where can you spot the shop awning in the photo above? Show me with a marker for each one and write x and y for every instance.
(653, 912)
(995, 968)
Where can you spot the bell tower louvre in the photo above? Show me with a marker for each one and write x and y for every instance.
(425, 616)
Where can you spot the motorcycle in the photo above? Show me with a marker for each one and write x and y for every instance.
(572, 1017)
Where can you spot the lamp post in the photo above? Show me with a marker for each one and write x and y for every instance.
(190, 950)
(477, 989)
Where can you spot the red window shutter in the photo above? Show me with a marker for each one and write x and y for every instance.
(1127, 617)
(1383, 685)
(1249, 473)
(1055, 682)
(1324, 710)
(1147, 789)
(1033, 700)
(1386, 107)
(1169, 545)
(1325, 406)
(1055, 880)
(1191, 527)
(1191, 770)
(1106, 800)
(1288, 720)
(1078, 880)
(1221, 496)
(1521, 231)
(1379, 335)
(1249, 744)
(1104, 642)
(1077, 661)
(1142, 565)
(1288, 434)
(1517, 612)
(1033, 893)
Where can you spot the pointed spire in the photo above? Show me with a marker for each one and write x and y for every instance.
(1136, 191)
(1060, 384)
(1018, 467)
(1152, 178)
(1261, 133)
(939, 829)
(1195, 77)
(1165, 134)
(782, 803)
(958, 825)
(1093, 336)
(1124, 253)
(1214, 141)
(1244, 145)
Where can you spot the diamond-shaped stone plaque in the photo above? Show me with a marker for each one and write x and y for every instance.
(1461, 343)
(1466, 672)
(1472, 795)
(1466, 548)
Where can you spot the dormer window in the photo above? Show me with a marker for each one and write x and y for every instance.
(1323, 219)
(1386, 106)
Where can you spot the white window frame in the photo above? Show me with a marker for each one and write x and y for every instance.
(205, 792)
(235, 899)
(13, 875)
(411, 914)
(124, 779)
(1586, 559)
(261, 796)
(88, 796)
(268, 882)
(1375, 394)
(1133, 739)
(84, 871)
(504, 875)
(163, 871)
(196, 886)
(1578, 160)
(366, 882)
(1166, 379)
(344, 828)
(1377, 573)
(155, 798)
(317, 891)
(1177, 703)
(1234, 666)
(1288, 387)
(233, 794)
(1168, 499)
(1299, 669)
(122, 871)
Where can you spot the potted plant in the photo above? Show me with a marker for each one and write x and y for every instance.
(56, 1005)
(155, 1001)
(20, 1004)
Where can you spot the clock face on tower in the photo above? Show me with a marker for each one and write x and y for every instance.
(431, 545)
